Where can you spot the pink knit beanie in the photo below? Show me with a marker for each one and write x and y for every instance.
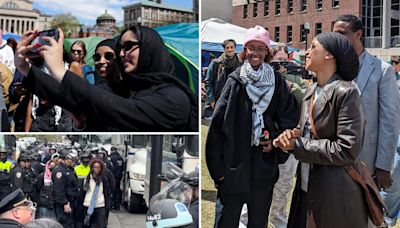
(257, 33)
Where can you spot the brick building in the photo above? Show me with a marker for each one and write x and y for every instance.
(286, 20)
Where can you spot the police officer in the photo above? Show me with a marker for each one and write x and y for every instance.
(5, 169)
(66, 189)
(82, 171)
(118, 167)
(22, 177)
(16, 210)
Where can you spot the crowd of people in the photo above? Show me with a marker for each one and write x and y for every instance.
(75, 188)
(270, 124)
(132, 87)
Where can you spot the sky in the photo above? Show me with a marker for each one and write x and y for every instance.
(88, 10)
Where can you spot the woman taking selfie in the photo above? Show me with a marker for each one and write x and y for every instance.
(153, 98)
(329, 138)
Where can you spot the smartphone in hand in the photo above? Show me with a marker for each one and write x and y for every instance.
(38, 41)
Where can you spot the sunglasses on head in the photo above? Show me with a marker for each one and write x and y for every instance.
(128, 45)
(395, 62)
(108, 56)
(74, 50)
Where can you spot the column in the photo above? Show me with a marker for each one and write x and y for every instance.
(386, 24)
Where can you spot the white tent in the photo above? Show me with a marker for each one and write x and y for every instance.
(214, 31)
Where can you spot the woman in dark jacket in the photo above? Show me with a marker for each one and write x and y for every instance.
(150, 98)
(45, 189)
(329, 138)
(255, 99)
(98, 192)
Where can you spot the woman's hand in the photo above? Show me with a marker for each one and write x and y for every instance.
(53, 56)
(267, 145)
(286, 139)
(23, 47)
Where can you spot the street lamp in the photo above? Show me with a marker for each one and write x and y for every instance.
(306, 31)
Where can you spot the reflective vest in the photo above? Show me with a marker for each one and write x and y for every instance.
(5, 166)
(82, 171)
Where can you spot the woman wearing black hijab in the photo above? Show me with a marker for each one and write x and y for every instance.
(329, 138)
(150, 97)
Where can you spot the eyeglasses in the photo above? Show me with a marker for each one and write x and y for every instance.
(108, 56)
(128, 45)
(75, 50)
(258, 49)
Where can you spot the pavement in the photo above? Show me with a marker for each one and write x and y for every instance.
(124, 219)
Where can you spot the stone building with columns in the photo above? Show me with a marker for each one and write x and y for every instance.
(18, 16)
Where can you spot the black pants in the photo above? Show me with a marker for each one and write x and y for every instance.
(258, 203)
(98, 218)
(298, 210)
(117, 195)
(67, 220)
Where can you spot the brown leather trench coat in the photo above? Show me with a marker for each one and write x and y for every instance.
(333, 199)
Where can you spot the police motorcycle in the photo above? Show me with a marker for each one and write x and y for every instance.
(169, 207)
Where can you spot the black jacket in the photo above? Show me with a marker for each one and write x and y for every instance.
(108, 187)
(229, 153)
(118, 165)
(65, 184)
(8, 223)
(45, 193)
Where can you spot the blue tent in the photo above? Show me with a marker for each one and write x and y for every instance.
(11, 35)
(182, 41)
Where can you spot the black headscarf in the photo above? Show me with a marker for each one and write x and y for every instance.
(343, 51)
(109, 43)
(155, 67)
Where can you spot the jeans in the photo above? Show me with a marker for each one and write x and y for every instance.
(45, 212)
(218, 212)
(391, 196)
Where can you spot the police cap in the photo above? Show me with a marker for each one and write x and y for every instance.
(12, 200)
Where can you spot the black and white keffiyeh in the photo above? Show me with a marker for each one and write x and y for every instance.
(260, 86)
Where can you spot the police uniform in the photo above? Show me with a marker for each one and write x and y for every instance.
(65, 184)
(24, 179)
(10, 201)
(5, 182)
(118, 168)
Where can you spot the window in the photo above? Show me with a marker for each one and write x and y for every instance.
(290, 6)
(302, 33)
(318, 4)
(244, 11)
(289, 34)
(10, 5)
(266, 7)
(277, 7)
(277, 34)
(335, 3)
(255, 9)
(303, 5)
(318, 28)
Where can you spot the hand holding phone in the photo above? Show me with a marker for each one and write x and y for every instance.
(38, 41)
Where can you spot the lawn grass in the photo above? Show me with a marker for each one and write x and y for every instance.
(208, 192)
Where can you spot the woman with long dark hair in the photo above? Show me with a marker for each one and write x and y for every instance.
(98, 191)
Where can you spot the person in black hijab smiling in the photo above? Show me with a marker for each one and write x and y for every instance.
(153, 99)
(328, 139)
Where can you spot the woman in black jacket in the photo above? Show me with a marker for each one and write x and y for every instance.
(98, 192)
(45, 189)
(255, 100)
(150, 97)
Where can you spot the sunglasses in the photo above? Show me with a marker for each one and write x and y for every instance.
(108, 56)
(128, 45)
(74, 50)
